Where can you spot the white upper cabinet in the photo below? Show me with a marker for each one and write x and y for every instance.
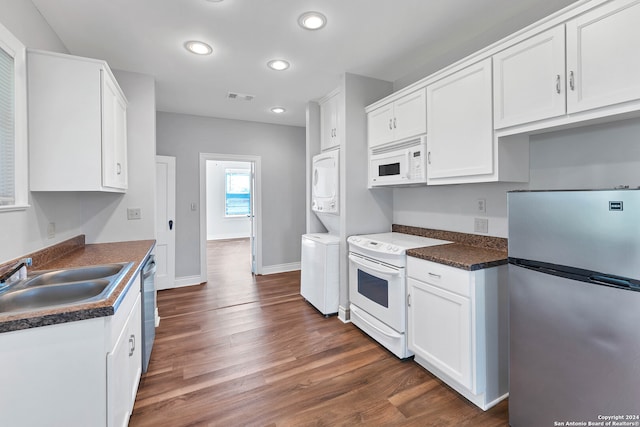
(459, 116)
(540, 79)
(529, 80)
(603, 56)
(398, 120)
(114, 134)
(77, 125)
(330, 109)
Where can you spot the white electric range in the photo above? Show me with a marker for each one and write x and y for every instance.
(378, 285)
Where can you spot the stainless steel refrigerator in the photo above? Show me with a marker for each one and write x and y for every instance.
(574, 307)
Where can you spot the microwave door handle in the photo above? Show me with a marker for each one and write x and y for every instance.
(373, 266)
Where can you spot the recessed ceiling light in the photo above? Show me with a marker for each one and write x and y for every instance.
(278, 64)
(199, 48)
(278, 110)
(312, 20)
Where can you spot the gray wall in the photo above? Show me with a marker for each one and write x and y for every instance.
(282, 152)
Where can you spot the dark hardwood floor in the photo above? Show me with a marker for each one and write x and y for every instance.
(244, 350)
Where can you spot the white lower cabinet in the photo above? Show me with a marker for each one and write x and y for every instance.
(83, 373)
(124, 368)
(457, 327)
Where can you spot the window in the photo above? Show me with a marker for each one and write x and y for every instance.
(237, 196)
(13, 123)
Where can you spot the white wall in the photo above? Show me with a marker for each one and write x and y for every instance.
(218, 225)
(282, 152)
(599, 156)
(25, 22)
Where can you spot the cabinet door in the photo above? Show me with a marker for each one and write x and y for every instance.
(329, 123)
(134, 328)
(124, 365)
(439, 329)
(114, 135)
(603, 61)
(529, 80)
(459, 118)
(410, 115)
(380, 125)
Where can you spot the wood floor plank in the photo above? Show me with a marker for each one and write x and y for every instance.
(244, 350)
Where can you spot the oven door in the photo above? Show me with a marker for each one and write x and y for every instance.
(378, 289)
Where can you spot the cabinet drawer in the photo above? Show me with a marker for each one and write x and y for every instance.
(439, 275)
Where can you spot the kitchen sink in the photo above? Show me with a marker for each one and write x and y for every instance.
(62, 287)
(74, 274)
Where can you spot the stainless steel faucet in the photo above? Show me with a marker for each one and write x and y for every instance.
(7, 275)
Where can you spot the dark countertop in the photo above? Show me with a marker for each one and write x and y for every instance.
(468, 251)
(84, 255)
(461, 256)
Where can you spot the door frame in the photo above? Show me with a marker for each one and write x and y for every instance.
(257, 205)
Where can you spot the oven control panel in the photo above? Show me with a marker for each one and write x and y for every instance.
(365, 243)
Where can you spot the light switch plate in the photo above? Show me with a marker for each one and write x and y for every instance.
(482, 205)
(134, 213)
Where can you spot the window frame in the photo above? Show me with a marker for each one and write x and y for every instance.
(227, 172)
(11, 45)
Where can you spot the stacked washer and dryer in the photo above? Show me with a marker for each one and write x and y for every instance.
(320, 258)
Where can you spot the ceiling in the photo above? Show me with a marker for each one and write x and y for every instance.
(394, 40)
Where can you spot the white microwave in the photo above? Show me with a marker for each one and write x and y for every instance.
(404, 163)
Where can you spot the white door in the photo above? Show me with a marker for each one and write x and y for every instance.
(165, 222)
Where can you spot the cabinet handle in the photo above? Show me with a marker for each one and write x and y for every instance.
(390, 124)
(435, 276)
(558, 83)
(394, 122)
(572, 83)
(429, 157)
(408, 300)
(118, 168)
(132, 342)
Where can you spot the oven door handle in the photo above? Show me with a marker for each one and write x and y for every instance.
(371, 325)
(378, 268)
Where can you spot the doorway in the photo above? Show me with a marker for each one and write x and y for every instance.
(230, 215)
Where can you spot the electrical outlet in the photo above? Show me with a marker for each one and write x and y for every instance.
(482, 205)
(134, 213)
(481, 225)
(51, 230)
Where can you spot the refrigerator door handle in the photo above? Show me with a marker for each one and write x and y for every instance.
(613, 281)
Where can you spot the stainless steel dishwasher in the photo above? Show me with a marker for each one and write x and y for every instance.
(148, 292)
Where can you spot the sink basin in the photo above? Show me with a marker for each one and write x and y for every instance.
(45, 296)
(62, 287)
(74, 274)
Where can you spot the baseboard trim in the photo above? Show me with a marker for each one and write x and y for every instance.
(181, 282)
(344, 314)
(280, 268)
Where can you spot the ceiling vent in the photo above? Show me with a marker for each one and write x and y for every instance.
(239, 96)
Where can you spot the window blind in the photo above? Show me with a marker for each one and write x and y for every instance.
(7, 129)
